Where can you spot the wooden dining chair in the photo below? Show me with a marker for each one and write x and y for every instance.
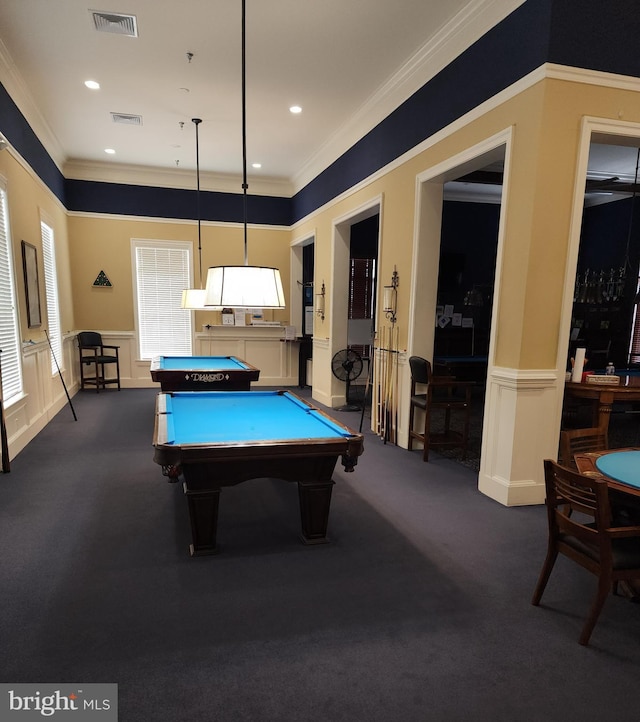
(442, 393)
(580, 441)
(580, 527)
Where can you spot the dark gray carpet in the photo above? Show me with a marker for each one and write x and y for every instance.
(419, 610)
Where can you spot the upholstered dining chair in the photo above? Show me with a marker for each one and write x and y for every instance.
(94, 356)
(432, 393)
(580, 527)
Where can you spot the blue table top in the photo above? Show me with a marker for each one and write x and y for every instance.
(212, 417)
(199, 363)
(623, 466)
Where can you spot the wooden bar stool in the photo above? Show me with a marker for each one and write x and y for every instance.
(441, 393)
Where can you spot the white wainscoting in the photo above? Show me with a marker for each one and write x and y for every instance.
(44, 392)
(262, 346)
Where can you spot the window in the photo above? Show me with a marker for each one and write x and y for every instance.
(9, 337)
(362, 278)
(51, 291)
(361, 287)
(162, 272)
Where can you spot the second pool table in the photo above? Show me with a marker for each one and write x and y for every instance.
(203, 373)
(215, 439)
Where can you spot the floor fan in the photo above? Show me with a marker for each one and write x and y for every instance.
(347, 366)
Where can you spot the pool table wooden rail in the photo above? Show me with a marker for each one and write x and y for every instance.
(203, 373)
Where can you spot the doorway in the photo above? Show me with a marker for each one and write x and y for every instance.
(456, 257)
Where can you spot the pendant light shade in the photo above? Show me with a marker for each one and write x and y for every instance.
(244, 287)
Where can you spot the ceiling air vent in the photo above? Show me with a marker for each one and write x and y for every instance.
(126, 118)
(115, 23)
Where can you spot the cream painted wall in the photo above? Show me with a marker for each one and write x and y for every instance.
(546, 119)
(104, 243)
(28, 199)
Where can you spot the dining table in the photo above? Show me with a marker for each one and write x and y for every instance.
(604, 395)
(620, 468)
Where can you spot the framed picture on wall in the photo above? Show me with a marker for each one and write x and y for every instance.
(31, 284)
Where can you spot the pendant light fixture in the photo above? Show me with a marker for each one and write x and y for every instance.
(244, 286)
(194, 298)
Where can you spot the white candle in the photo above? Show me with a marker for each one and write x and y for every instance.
(578, 365)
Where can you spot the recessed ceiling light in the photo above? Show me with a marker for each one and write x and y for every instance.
(256, 165)
(92, 84)
(295, 109)
(110, 151)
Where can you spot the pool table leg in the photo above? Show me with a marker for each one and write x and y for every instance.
(315, 501)
(203, 514)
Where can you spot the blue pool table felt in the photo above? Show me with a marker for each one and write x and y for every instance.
(200, 363)
(243, 416)
(623, 466)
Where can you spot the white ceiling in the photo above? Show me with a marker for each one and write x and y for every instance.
(331, 57)
(348, 63)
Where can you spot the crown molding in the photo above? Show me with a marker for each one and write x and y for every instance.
(15, 86)
(591, 77)
(126, 174)
(95, 215)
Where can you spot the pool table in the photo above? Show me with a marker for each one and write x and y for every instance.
(464, 368)
(214, 439)
(203, 373)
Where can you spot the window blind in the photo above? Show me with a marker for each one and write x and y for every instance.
(9, 338)
(162, 273)
(51, 292)
(361, 285)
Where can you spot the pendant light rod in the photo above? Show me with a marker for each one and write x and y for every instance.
(245, 185)
(197, 122)
(244, 286)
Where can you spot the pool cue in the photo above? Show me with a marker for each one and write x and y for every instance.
(384, 358)
(376, 379)
(367, 384)
(392, 399)
(387, 394)
(376, 376)
(395, 387)
(64, 386)
(4, 443)
(390, 388)
(388, 426)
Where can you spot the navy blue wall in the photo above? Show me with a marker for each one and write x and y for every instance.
(17, 131)
(118, 198)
